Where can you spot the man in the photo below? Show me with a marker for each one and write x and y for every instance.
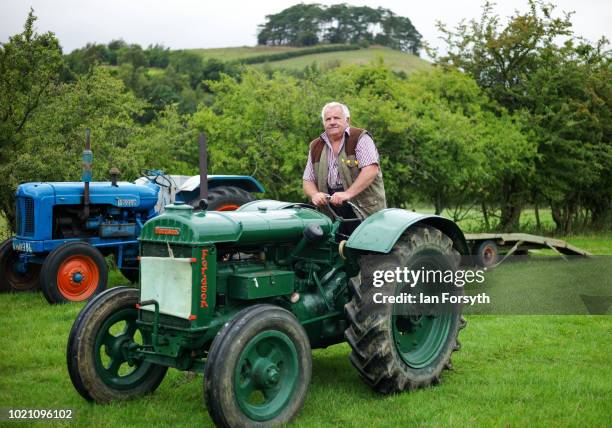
(343, 162)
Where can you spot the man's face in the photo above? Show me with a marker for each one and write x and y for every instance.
(335, 122)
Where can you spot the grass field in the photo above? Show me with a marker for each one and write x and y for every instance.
(396, 60)
(511, 371)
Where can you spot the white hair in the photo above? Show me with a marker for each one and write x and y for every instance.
(333, 104)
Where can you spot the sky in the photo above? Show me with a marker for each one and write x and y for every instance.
(185, 24)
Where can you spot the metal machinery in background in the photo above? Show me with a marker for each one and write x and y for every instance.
(244, 296)
(65, 230)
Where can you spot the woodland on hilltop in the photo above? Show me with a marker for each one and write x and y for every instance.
(312, 24)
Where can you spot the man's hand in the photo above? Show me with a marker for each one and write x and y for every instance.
(339, 197)
(319, 199)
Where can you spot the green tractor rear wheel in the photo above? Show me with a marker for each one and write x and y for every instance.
(258, 369)
(394, 347)
(97, 352)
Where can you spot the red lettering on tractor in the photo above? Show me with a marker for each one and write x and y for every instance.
(204, 283)
(166, 231)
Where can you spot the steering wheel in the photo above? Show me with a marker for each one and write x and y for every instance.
(342, 219)
(159, 177)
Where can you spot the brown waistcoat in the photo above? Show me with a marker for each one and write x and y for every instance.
(372, 198)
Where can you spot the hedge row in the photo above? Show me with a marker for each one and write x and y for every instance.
(292, 54)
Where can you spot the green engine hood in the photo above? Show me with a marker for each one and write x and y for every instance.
(179, 224)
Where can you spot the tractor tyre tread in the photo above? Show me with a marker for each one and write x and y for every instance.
(223, 352)
(73, 342)
(373, 352)
(6, 285)
(223, 196)
(80, 349)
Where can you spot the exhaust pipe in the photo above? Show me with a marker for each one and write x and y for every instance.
(86, 178)
(203, 204)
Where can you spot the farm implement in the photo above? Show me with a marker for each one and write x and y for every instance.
(488, 248)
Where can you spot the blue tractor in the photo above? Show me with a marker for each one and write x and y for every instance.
(65, 230)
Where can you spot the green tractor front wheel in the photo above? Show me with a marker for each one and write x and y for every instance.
(97, 354)
(258, 369)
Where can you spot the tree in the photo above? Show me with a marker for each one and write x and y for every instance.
(157, 56)
(520, 66)
(29, 69)
(569, 100)
(435, 132)
(565, 92)
(310, 24)
(501, 57)
(132, 54)
(113, 50)
(258, 126)
(51, 142)
(188, 63)
(82, 60)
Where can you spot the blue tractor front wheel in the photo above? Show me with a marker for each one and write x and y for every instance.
(73, 272)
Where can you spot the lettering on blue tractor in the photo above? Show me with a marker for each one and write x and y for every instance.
(25, 247)
(127, 202)
(204, 282)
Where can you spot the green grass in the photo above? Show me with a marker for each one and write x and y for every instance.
(511, 371)
(473, 222)
(543, 285)
(394, 59)
(151, 71)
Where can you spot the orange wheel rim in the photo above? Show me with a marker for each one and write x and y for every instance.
(78, 278)
(228, 207)
(489, 254)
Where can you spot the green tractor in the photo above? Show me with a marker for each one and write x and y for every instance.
(244, 296)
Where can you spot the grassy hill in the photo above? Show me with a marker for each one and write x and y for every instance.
(398, 61)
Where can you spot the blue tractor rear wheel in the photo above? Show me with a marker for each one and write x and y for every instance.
(225, 198)
(12, 278)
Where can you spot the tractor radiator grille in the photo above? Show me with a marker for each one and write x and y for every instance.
(156, 249)
(25, 217)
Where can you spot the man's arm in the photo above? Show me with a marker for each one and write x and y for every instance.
(309, 186)
(311, 190)
(364, 179)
